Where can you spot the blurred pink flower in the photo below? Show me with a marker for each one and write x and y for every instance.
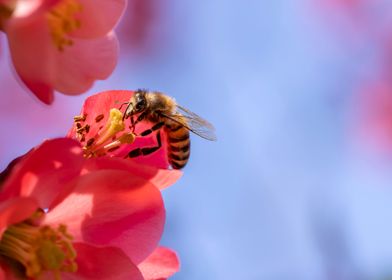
(105, 222)
(144, 30)
(102, 131)
(344, 4)
(62, 45)
(373, 116)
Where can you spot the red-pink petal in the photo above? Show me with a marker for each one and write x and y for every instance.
(160, 265)
(161, 178)
(44, 68)
(31, 8)
(98, 17)
(15, 210)
(42, 90)
(101, 103)
(84, 62)
(102, 263)
(34, 64)
(113, 208)
(6, 273)
(45, 172)
(2, 271)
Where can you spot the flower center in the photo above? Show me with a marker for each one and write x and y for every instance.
(62, 21)
(108, 138)
(39, 248)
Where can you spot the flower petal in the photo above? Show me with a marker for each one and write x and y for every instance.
(44, 68)
(113, 208)
(98, 17)
(84, 62)
(31, 8)
(100, 104)
(6, 272)
(102, 263)
(15, 210)
(42, 90)
(160, 265)
(34, 71)
(7, 171)
(161, 178)
(45, 171)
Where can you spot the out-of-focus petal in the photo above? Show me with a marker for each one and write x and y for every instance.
(98, 17)
(2, 273)
(11, 211)
(102, 264)
(36, 72)
(47, 59)
(43, 91)
(6, 273)
(372, 117)
(34, 33)
(45, 172)
(7, 171)
(160, 265)
(31, 8)
(84, 62)
(113, 208)
(161, 178)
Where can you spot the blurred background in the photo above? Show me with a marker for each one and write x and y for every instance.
(299, 183)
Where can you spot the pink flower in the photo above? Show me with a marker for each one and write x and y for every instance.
(103, 131)
(61, 217)
(62, 45)
(371, 117)
(138, 31)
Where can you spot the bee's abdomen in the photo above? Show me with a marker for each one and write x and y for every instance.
(178, 145)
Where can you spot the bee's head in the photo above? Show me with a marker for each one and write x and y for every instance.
(137, 103)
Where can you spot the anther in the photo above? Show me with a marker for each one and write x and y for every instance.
(99, 118)
(90, 142)
(81, 118)
(108, 138)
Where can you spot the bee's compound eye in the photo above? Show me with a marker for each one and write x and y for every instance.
(140, 105)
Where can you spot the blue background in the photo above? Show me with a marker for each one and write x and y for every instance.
(287, 191)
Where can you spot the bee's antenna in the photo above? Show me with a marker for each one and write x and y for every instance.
(123, 105)
(126, 109)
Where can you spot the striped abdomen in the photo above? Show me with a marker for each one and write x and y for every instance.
(178, 148)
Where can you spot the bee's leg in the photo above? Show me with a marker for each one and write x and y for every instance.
(132, 127)
(152, 129)
(149, 150)
(139, 119)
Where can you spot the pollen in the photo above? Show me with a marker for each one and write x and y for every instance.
(62, 21)
(109, 138)
(39, 249)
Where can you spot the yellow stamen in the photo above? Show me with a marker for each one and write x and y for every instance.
(127, 138)
(114, 125)
(62, 21)
(107, 139)
(39, 248)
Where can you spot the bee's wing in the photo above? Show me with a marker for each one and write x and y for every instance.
(194, 123)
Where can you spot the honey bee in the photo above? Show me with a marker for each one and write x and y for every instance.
(176, 121)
